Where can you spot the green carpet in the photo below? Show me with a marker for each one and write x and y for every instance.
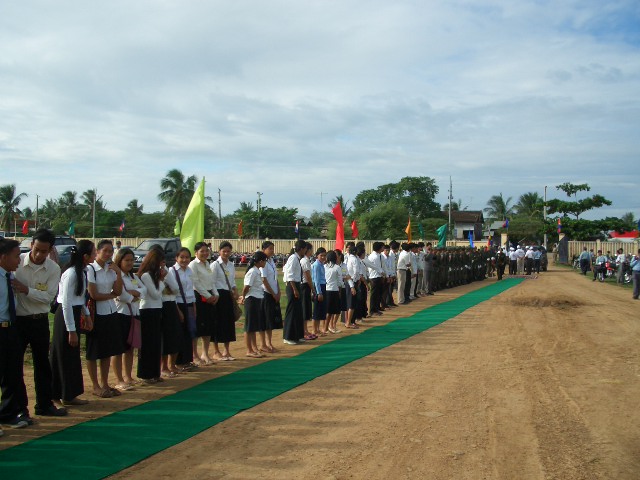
(104, 446)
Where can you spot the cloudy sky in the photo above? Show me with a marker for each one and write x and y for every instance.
(294, 98)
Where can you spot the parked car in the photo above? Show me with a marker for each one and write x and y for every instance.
(25, 245)
(169, 245)
(64, 254)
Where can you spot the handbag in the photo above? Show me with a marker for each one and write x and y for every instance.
(86, 322)
(237, 311)
(134, 339)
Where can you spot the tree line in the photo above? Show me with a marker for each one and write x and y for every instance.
(380, 212)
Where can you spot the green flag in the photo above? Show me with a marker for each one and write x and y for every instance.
(442, 236)
(72, 228)
(421, 230)
(193, 224)
(176, 229)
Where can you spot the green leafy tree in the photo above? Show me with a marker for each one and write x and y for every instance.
(498, 208)
(133, 208)
(346, 210)
(68, 205)
(416, 194)
(576, 207)
(386, 220)
(9, 202)
(586, 230)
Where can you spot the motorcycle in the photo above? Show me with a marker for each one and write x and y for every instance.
(611, 268)
(601, 271)
(627, 275)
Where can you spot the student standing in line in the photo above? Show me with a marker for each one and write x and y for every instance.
(307, 292)
(128, 305)
(10, 351)
(66, 365)
(377, 277)
(345, 288)
(333, 279)
(224, 274)
(293, 320)
(152, 276)
(171, 324)
(36, 285)
(105, 340)
(320, 286)
(354, 275)
(186, 306)
(252, 296)
(206, 296)
(271, 299)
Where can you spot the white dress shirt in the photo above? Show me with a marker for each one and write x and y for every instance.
(153, 297)
(103, 278)
(203, 279)
(293, 269)
(375, 264)
(125, 300)
(333, 276)
(186, 280)
(253, 278)
(171, 288)
(305, 263)
(68, 299)
(352, 268)
(270, 272)
(404, 260)
(42, 281)
(220, 271)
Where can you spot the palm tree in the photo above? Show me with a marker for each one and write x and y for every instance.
(9, 202)
(343, 204)
(177, 191)
(455, 206)
(133, 208)
(498, 208)
(68, 204)
(87, 200)
(530, 204)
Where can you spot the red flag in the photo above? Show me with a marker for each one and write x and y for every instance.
(25, 227)
(354, 230)
(559, 225)
(337, 212)
(240, 229)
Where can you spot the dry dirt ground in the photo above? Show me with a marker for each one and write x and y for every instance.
(540, 382)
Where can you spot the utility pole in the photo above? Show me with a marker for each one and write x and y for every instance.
(450, 200)
(545, 215)
(95, 192)
(259, 205)
(37, 200)
(219, 209)
(322, 194)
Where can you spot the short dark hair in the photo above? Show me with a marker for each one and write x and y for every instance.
(225, 244)
(6, 245)
(300, 245)
(45, 235)
(266, 244)
(320, 250)
(198, 246)
(104, 242)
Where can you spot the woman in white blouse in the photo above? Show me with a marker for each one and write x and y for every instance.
(333, 276)
(65, 360)
(206, 296)
(105, 340)
(252, 295)
(225, 282)
(152, 275)
(171, 328)
(128, 304)
(186, 306)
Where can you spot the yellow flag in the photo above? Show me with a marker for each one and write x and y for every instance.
(408, 230)
(193, 224)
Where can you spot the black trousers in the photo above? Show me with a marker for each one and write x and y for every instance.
(293, 322)
(10, 372)
(513, 267)
(407, 286)
(376, 292)
(35, 332)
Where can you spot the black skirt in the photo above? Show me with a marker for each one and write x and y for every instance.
(204, 317)
(305, 301)
(254, 320)
(171, 328)
(225, 323)
(125, 326)
(66, 365)
(150, 350)
(293, 321)
(272, 313)
(344, 305)
(105, 340)
(332, 302)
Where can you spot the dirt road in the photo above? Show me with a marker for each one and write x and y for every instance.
(542, 381)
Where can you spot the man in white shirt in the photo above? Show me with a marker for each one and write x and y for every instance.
(620, 260)
(520, 260)
(404, 273)
(36, 285)
(293, 321)
(377, 275)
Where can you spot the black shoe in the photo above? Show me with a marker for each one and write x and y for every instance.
(25, 417)
(52, 411)
(15, 423)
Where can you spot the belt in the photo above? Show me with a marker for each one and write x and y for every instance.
(5, 324)
(34, 316)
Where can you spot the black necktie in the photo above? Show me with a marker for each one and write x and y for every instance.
(12, 300)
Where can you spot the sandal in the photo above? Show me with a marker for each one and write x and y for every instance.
(169, 374)
(115, 392)
(103, 393)
(123, 387)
